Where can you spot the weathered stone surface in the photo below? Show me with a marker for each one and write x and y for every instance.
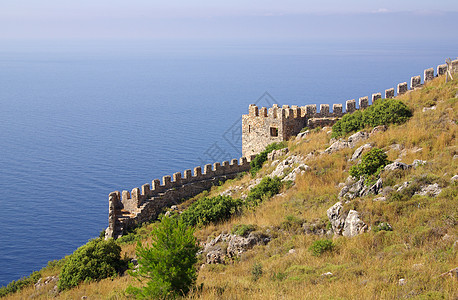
(302, 135)
(356, 138)
(238, 244)
(379, 128)
(353, 224)
(454, 178)
(336, 146)
(277, 153)
(432, 190)
(397, 166)
(336, 218)
(215, 257)
(418, 162)
(301, 169)
(358, 152)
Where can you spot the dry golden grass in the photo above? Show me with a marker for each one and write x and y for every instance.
(368, 266)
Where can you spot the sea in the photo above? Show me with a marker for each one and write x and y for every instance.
(82, 118)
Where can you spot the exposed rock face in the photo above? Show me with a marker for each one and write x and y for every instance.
(350, 143)
(353, 224)
(292, 165)
(357, 137)
(347, 225)
(358, 152)
(397, 166)
(302, 135)
(336, 218)
(277, 153)
(431, 190)
(356, 189)
(231, 245)
(379, 128)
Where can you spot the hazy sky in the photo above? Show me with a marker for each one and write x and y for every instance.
(43, 19)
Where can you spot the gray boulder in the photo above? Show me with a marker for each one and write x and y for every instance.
(356, 138)
(239, 244)
(353, 224)
(432, 190)
(336, 146)
(302, 135)
(358, 152)
(336, 218)
(397, 166)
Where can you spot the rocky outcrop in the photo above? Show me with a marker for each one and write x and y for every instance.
(397, 166)
(352, 189)
(352, 141)
(346, 224)
(336, 217)
(227, 246)
(358, 152)
(275, 154)
(291, 166)
(353, 224)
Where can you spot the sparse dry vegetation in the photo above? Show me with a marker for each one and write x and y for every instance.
(420, 246)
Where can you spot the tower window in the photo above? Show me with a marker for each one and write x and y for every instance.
(273, 131)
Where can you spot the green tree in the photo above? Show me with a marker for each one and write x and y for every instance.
(168, 265)
(96, 260)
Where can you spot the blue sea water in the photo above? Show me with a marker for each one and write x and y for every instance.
(81, 119)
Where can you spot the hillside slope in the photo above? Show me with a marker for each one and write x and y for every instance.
(405, 233)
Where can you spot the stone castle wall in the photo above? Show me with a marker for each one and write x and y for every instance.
(128, 209)
(262, 126)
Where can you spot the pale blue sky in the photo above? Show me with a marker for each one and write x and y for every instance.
(231, 19)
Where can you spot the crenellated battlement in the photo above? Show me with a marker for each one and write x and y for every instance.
(263, 126)
(129, 208)
(260, 127)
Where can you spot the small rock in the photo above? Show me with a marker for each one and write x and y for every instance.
(292, 251)
(84, 298)
(336, 146)
(396, 147)
(431, 190)
(358, 152)
(417, 266)
(336, 217)
(174, 207)
(397, 166)
(402, 281)
(302, 135)
(379, 128)
(454, 178)
(356, 138)
(353, 224)
(380, 199)
(425, 109)
(327, 274)
(418, 162)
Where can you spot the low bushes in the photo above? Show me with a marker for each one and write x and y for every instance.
(96, 260)
(382, 112)
(213, 209)
(266, 188)
(371, 164)
(321, 246)
(18, 285)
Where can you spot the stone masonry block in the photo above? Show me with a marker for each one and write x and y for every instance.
(350, 106)
(375, 97)
(429, 74)
(389, 93)
(415, 82)
(337, 108)
(402, 88)
(363, 102)
(441, 69)
(324, 109)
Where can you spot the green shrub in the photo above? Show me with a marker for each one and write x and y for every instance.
(386, 111)
(383, 227)
(168, 265)
(382, 112)
(256, 271)
(371, 163)
(258, 161)
(96, 260)
(321, 246)
(348, 123)
(266, 188)
(207, 210)
(18, 285)
(242, 229)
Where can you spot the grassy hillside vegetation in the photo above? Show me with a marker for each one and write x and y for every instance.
(411, 239)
